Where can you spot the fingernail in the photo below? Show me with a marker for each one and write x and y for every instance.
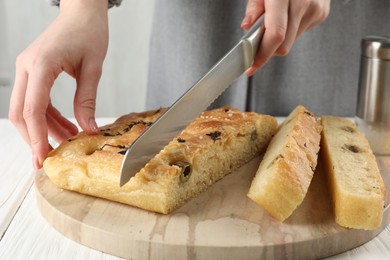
(36, 164)
(92, 125)
(250, 71)
(73, 131)
(246, 22)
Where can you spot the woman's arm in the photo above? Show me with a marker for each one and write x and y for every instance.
(75, 43)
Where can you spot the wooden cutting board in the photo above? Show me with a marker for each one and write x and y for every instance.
(221, 223)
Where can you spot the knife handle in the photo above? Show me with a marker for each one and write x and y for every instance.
(252, 40)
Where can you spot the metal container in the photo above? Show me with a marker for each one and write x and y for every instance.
(373, 107)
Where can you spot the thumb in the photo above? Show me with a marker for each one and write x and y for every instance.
(85, 98)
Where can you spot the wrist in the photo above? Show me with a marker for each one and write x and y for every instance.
(84, 9)
(110, 3)
(84, 4)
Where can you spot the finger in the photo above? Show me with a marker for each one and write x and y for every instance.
(61, 120)
(56, 130)
(15, 113)
(59, 127)
(303, 27)
(34, 113)
(85, 98)
(254, 9)
(297, 10)
(275, 23)
(315, 16)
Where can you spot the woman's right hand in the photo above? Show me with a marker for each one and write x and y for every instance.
(284, 21)
(76, 42)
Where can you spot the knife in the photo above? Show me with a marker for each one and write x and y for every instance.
(192, 103)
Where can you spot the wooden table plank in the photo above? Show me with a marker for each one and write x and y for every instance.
(30, 237)
(377, 249)
(16, 173)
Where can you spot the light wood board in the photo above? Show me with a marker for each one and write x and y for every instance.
(221, 223)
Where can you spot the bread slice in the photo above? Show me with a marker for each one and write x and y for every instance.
(217, 142)
(285, 173)
(356, 186)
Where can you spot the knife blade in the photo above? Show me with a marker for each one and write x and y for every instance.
(192, 103)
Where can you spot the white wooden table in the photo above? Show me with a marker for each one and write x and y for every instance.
(26, 235)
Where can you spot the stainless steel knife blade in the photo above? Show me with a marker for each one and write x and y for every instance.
(192, 103)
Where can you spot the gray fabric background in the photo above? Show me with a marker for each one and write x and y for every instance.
(321, 71)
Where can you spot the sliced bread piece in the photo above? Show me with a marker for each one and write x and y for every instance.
(217, 142)
(356, 186)
(285, 173)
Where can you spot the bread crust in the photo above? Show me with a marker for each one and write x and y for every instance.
(355, 183)
(214, 144)
(285, 173)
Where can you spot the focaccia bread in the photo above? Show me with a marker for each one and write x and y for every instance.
(214, 144)
(285, 173)
(355, 183)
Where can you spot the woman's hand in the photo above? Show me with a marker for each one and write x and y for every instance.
(284, 21)
(76, 42)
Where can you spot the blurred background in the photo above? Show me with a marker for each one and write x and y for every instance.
(122, 88)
